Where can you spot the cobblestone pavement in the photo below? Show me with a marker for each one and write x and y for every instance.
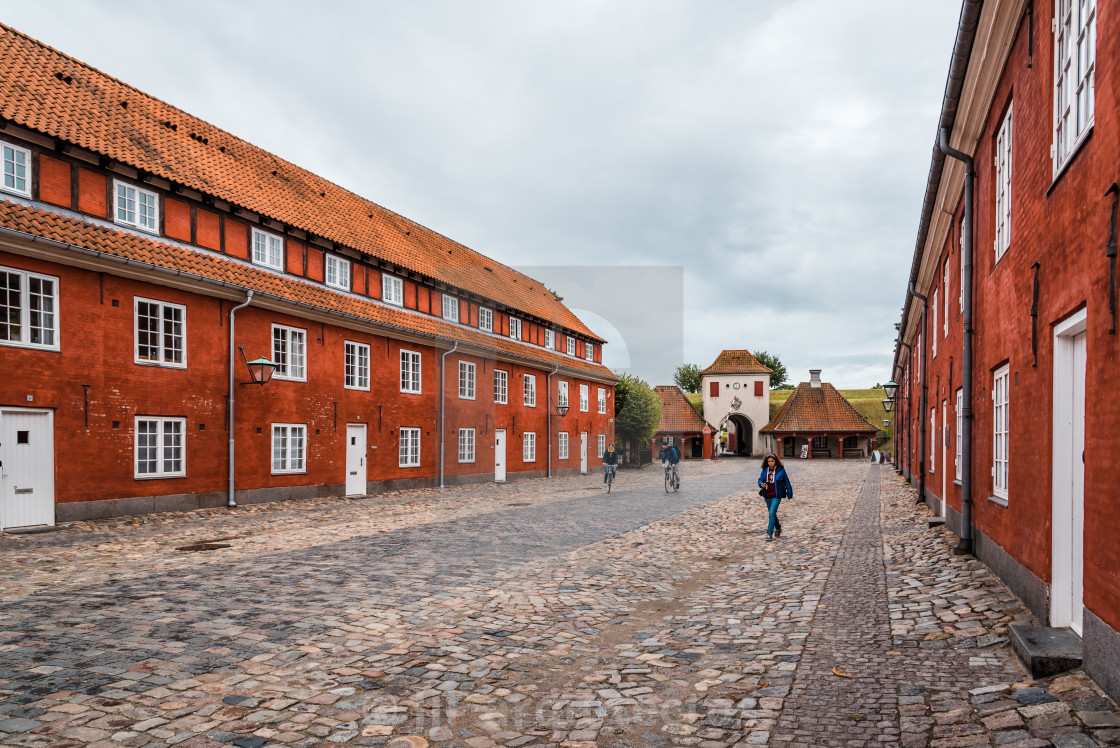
(536, 613)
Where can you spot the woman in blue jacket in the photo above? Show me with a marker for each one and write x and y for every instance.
(774, 486)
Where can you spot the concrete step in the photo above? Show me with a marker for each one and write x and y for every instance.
(1046, 651)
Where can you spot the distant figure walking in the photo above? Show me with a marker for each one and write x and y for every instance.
(774, 486)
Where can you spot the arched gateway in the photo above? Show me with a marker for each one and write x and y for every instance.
(736, 390)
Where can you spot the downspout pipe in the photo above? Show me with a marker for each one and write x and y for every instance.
(442, 395)
(965, 544)
(922, 396)
(230, 501)
(548, 387)
(900, 464)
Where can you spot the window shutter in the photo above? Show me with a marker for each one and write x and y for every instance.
(713, 389)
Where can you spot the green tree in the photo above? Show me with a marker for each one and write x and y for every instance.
(637, 409)
(779, 375)
(687, 377)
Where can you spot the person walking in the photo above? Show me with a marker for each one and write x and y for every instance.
(774, 486)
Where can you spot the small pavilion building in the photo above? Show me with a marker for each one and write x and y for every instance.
(736, 389)
(818, 422)
(681, 421)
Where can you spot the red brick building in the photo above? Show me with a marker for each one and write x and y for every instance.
(817, 421)
(1006, 417)
(146, 255)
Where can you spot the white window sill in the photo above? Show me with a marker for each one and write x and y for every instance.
(998, 500)
(1071, 156)
(160, 477)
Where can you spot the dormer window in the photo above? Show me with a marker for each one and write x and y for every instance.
(450, 308)
(16, 175)
(268, 250)
(515, 328)
(392, 290)
(486, 319)
(338, 273)
(571, 346)
(549, 340)
(134, 207)
(589, 351)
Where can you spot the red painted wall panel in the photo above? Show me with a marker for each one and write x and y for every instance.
(208, 229)
(236, 238)
(295, 257)
(92, 193)
(177, 219)
(315, 264)
(54, 181)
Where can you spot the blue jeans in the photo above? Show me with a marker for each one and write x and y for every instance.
(774, 524)
(612, 468)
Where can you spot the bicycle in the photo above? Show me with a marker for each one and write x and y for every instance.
(672, 477)
(610, 476)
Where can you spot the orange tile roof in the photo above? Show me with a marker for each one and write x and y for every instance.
(736, 362)
(212, 267)
(677, 413)
(817, 409)
(49, 92)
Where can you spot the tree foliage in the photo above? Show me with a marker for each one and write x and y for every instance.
(687, 377)
(637, 409)
(779, 375)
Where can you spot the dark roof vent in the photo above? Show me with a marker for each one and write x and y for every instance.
(64, 78)
(124, 105)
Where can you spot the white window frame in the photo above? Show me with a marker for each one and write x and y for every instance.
(392, 290)
(1003, 164)
(485, 319)
(10, 168)
(338, 272)
(450, 308)
(289, 448)
(25, 329)
(162, 349)
(960, 432)
(292, 363)
(584, 398)
(602, 401)
(933, 326)
(1074, 72)
(136, 195)
(549, 339)
(267, 250)
(529, 446)
(529, 391)
(562, 445)
(355, 366)
(515, 328)
(165, 427)
(501, 387)
(561, 392)
(408, 448)
(945, 285)
(466, 445)
(467, 372)
(1001, 431)
(932, 439)
(601, 445)
(571, 346)
(411, 380)
(589, 351)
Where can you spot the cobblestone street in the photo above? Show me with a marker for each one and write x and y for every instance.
(536, 613)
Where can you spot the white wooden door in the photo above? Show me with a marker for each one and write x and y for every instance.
(355, 459)
(26, 468)
(944, 457)
(583, 452)
(499, 454)
(1068, 489)
(1077, 488)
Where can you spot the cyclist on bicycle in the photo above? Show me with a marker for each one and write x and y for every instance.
(669, 453)
(610, 463)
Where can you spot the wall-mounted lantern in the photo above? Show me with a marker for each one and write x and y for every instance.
(260, 370)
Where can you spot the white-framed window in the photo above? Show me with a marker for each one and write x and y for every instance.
(289, 351)
(1003, 187)
(549, 339)
(571, 346)
(268, 250)
(501, 386)
(945, 285)
(466, 445)
(562, 444)
(584, 398)
(409, 455)
(160, 450)
(530, 390)
(485, 319)
(338, 272)
(450, 308)
(392, 290)
(932, 438)
(600, 445)
(355, 366)
(561, 392)
(1075, 57)
(161, 333)
(289, 448)
(529, 447)
(515, 328)
(136, 207)
(933, 326)
(589, 351)
(960, 433)
(410, 372)
(602, 401)
(28, 304)
(17, 169)
(1000, 430)
(466, 380)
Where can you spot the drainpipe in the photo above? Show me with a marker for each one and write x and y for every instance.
(442, 393)
(548, 388)
(900, 465)
(922, 399)
(230, 502)
(965, 544)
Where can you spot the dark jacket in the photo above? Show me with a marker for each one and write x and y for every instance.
(783, 489)
(609, 457)
(671, 454)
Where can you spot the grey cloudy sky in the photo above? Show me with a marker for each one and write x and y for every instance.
(772, 153)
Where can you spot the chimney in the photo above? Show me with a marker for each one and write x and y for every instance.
(814, 377)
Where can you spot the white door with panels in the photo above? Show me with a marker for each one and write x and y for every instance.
(1068, 490)
(499, 454)
(26, 467)
(583, 452)
(356, 459)
(944, 458)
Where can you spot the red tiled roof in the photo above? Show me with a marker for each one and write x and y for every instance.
(817, 409)
(736, 362)
(52, 93)
(677, 413)
(214, 267)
